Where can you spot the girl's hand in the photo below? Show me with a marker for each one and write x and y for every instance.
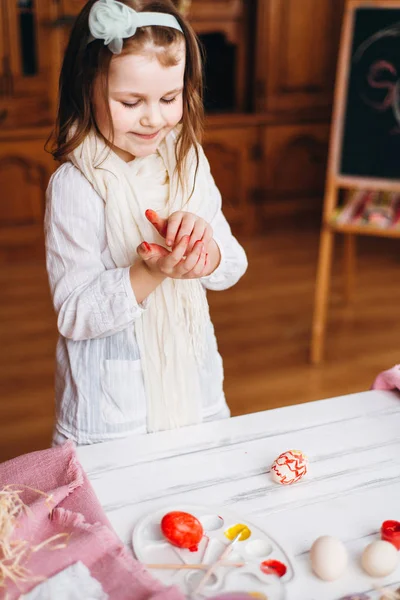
(179, 225)
(178, 264)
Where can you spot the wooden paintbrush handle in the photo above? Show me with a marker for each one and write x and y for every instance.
(199, 567)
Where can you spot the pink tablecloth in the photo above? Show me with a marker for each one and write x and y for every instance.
(76, 511)
(388, 380)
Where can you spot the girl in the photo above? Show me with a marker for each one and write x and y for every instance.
(134, 229)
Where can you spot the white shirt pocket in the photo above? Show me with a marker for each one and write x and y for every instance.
(123, 397)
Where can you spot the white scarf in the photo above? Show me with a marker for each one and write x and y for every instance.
(171, 332)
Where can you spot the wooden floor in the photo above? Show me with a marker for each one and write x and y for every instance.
(262, 324)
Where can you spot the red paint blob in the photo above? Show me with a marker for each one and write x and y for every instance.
(273, 567)
(390, 532)
(160, 224)
(182, 530)
(146, 246)
(151, 215)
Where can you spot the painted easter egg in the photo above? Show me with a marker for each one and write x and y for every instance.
(289, 467)
(182, 530)
(380, 558)
(328, 557)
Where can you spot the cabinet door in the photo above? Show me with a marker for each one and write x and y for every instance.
(25, 169)
(297, 47)
(71, 7)
(4, 63)
(28, 81)
(233, 156)
(222, 26)
(295, 165)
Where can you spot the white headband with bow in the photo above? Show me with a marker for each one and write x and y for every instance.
(112, 21)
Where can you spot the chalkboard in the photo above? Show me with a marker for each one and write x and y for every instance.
(371, 126)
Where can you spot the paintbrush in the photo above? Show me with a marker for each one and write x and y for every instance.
(388, 594)
(216, 564)
(197, 567)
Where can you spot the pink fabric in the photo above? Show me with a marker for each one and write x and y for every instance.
(388, 380)
(78, 512)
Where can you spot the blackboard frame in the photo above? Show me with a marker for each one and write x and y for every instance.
(335, 182)
(334, 176)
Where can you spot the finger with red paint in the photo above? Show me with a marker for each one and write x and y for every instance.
(161, 261)
(175, 257)
(190, 261)
(180, 224)
(193, 265)
(200, 268)
(151, 253)
(178, 264)
(198, 233)
(183, 223)
(207, 235)
(158, 222)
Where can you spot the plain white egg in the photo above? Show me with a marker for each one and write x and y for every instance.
(380, 558)
(328, 557)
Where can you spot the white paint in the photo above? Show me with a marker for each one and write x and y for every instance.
(259, 549)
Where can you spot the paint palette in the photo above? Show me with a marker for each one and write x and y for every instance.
(266, 566)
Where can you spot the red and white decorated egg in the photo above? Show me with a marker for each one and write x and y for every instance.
(289, 467)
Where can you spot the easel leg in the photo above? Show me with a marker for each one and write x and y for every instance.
(321, 295)
(349, 259)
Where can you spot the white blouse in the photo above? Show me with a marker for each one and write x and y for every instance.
(99, 384)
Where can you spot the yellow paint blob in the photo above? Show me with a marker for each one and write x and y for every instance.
(234, 531)
(258, 595)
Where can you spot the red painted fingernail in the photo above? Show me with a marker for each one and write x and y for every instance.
(146, 247)
(151, 215)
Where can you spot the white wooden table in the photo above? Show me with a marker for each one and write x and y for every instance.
(353, 443)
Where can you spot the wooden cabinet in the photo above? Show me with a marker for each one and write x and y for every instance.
(27, 76)
(295, 164)
(25, 169)
(223, 27)
(233, 151)
(296, 53)
(269, 80)
(297, 45)
(28, 92)
(70, 7)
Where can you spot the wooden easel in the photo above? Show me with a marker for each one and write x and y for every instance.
(337, 181)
